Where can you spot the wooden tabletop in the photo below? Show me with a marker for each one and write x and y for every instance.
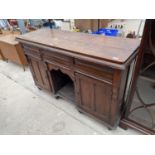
(10, 39)
(115, 49)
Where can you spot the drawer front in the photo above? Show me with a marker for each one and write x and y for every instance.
(58, 59)
(94, 69)
(32, 51)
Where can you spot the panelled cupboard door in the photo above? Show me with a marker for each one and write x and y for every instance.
(94, 96)
(39, 73)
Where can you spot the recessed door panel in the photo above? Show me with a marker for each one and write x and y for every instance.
(39, 73)
(94, 96)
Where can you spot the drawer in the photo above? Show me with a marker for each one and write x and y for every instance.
(94, 69)
(32, 51)
(58, 59)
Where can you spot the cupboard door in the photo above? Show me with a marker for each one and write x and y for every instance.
(94, 96)
(40, 74)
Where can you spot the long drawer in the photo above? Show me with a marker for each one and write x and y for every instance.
(58, 59)
(93, 69)
(32, 51)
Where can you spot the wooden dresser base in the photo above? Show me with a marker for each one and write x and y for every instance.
(69, 66)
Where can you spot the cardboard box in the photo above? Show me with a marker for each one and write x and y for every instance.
(91, 24)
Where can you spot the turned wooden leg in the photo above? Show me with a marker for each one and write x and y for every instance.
(80, 111)
(109, 128)
(39, 88)
(57, 97)
(24, 68)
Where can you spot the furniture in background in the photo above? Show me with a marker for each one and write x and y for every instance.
(4, 24)
(13, 24)
(91, 24)
(90, 71)
(21, 26)
(11, 50)
(1, 55)
(8, 32)
(36, 23)
(4, 33)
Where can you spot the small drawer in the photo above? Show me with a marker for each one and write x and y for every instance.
(94, 69)
(32, 51)
(58, 59)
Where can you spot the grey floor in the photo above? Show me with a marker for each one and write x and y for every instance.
(26, 110)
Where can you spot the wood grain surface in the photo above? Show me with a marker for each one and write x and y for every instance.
(114, 49)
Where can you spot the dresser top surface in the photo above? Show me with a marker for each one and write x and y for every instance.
(114, 49)
(9, 39)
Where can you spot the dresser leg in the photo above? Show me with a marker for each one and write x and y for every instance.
(39, 88)
(57, 97)
(24, 68)
(80, 111)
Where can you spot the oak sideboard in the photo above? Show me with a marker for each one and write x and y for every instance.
(88, 70)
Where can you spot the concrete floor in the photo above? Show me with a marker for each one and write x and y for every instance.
(26, 110)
